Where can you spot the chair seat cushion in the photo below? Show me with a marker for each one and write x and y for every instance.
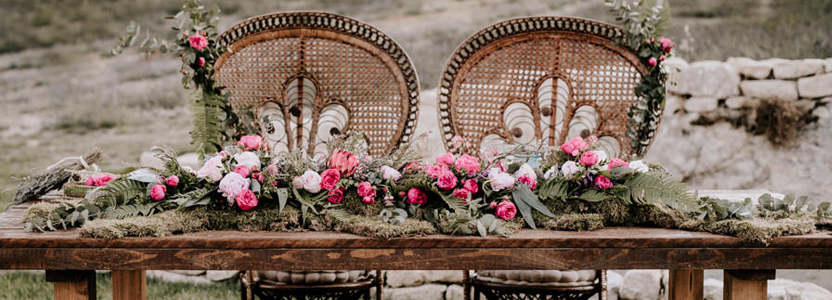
(312, 277)
(539, 277)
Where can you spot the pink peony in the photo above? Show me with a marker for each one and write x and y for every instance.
(344, 161)
(369, 199)
(158, 192)
(335, 196)
(232, 184)
(243, 171)
(499, 180)
(506, 210)
(652, 61)
(416, 196)
(574, 146)
(389, 173)
(617, 162)
(434, 171)
(588, 158)
(446, 181)
(462, 194)
(173, 180)
(98, 180)
(198, 42)
(366, 189)
(603, 182)
(471, 186)
(248, 159)
(272, 170)
(468, 163)
(330, 178)
(447, 159)
(250, 142)
(529, 181)
(201, 61)
(246, 200)
(212, 169)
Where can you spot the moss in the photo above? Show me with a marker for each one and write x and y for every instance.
(658, 215)
(761, 230)
(158, 225)
(40, 210)
(353, 204)
(76, 190)
(575, 222)
(270, 219)
(377, 228)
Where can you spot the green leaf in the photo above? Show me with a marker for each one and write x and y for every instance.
(481, 229)
(282, 196)
(526, 195)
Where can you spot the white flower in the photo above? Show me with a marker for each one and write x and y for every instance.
(297, 182)
(525, 170)
(231, 185)
(639, 166)
(602, 159)
(569, 169)
(551, 172)
(248, 159)
(311, 181)
(212, 169)
(389, 173)
(499, 180)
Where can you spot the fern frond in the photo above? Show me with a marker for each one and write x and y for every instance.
(553, 189)
(644, 187)
(207, 130)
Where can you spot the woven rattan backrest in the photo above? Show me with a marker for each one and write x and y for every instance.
(540, 79)
(309, 75)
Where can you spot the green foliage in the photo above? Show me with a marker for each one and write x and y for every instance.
(209, 111)
(653, 188)
(64, 215)
(525, 200)
(714, 209)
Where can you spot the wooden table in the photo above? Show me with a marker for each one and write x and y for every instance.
(69, 259)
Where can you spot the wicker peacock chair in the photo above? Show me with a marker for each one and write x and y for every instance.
(306, 76)
(532, 81)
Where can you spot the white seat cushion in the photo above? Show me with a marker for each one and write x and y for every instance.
(539, 277)
(312, 277)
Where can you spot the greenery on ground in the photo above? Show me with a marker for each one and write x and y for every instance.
(24, 285)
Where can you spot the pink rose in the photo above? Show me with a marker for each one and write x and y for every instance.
(246, 200)
(500, 180)
(529, 181)
(335, 196)
(446, 181)
(98, 180)
(258, 176)
(468, 163)
(311, 181)
(416, 196)
(330, 178)
(201, 61)
(493, 205)
(243, 171)
(158, 192)
(198, 42)
(272, 170)
(447, 159)
(603, 182)
(231, 185)
(506, 210)
(574, 146)
(173, 180)
(369, 199)
(344, 161)
(249, 142)
(366, 189)
(389, 173)
(661, 58)
(652, 61)
(666, 43)
(617, 162)
(462, 194)
(434, 171)
(471, 186)
(588, 158)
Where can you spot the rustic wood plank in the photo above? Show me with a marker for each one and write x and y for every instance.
(129, 285)
(746, 284)
(72, 284)
(686, 284)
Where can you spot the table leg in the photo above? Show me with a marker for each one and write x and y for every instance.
(686, 284)
(746, 284)
(129, 285)
(72, 284)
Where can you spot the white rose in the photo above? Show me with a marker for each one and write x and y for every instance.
(551, 172)
(525, 170)
(231, 185)
(569, 169)
(248, 159)
(639, 166)
(212, 169)
(389, 173)
(500, 180)
(311, 181)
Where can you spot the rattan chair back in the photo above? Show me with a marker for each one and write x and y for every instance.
(540, 80)
(307, 76)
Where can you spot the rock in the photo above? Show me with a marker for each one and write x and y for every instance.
(707, 79)
(712, 289)
(424, 292)
(805, 105)
(176, 277)
(454, 292)
(613, 285)
(665, 285)
(796, 68)
(673, 66)
(404, 278)
(750, 68)
(190, 160)
(827, 65)
(189, 272)
(672, 103)
(641, 285)
(777, 288)
(815, 86)
(807, 291)
(452, 276)
(148, 160)
(701, 104)
(214, 275)
(741, 102)
(769, 89)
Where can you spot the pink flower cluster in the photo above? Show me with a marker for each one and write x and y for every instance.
(98, 180)
(367, 192)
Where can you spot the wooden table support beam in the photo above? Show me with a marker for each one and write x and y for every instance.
(746, 284)
(686, 284)
(72, 284)
(129, 285)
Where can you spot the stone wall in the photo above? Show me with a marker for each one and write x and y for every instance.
(707, 133)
